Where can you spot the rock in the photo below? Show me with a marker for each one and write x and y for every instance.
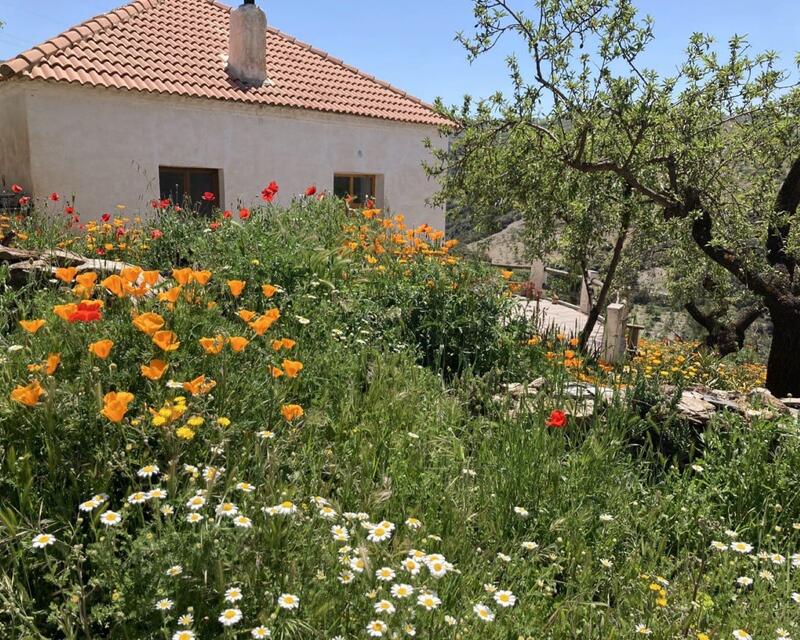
(762, 396)
(695, 407)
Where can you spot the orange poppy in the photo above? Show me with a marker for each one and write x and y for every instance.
(131, 274)
(115, 405)
(65, 311)
(116, 285)
(101, 348)
(262, 324)
(246, 315)
(238, 344)
(212, 346)
(201, 277)
(28, 395)
(236, 287)
(154, 370)
(66, 274)
(269, 290)
(52, 362)
(199, 386)
(85, 286)
(148, 323)
(288, 343)
(182, 276)
(151, 277)
(292, 368)
(292, 412)
(166, 340)
(32, 326)
(170, 295)
(276, 373)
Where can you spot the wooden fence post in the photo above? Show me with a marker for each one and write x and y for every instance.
(585, 304)
(614, 334)
(538, 275)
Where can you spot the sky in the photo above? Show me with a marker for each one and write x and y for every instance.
(410, 43)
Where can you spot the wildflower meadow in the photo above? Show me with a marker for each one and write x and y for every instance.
(288, 422)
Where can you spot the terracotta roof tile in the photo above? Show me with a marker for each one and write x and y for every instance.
(178, 47)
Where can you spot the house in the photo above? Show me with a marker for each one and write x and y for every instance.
(174, 98)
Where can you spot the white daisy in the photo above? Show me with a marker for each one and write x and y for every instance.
(377, 628)
(175, 570)
(110, 518)
(260, 632)
(43, 540)
(505, 598)
(184, 634)
(233, 594)
(230, 617)
(428, 601)
(148, 471)
(227, 509)
(385, 574)
(741, 634)
(243, 521)
(402, 591)
(288, 601)
(385, 607)
(483, 612)
(165, 604)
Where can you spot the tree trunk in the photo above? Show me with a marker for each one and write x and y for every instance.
(783, 367)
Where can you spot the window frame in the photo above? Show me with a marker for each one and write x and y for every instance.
(187, 173)
(373, 178)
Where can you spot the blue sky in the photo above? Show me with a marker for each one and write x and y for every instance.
(410, 43)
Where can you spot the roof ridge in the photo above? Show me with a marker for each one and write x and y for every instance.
(342, 63)
(91, 27)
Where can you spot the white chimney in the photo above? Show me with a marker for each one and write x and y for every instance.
(247, 51)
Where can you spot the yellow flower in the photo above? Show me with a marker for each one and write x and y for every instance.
(32, 326)
(185, 433)
(195, 421)
(101, 348)
(224, 422)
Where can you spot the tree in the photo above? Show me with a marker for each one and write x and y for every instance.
(713, 147)
(569, 221)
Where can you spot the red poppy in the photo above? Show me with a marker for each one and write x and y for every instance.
(370, 204)
(100, 251)
(86, 312)
(69, 210)
(270, 192)
(24, 201)
(310, 191)
(209, 197)
(227, 215)
(155, 234)
(105, 217)
(244, 214)
(16, 189)
(557, 420)
(120, 232)
(214, 226)
(54, 197)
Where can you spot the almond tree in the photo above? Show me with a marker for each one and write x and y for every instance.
(713, 146)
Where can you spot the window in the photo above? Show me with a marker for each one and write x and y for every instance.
(185, 187)
(359, 187)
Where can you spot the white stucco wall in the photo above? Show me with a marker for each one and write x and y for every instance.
(105, 146)
(14, 151)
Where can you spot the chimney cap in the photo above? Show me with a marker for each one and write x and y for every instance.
(249, 1)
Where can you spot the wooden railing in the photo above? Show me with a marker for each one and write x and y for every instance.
(619, 337)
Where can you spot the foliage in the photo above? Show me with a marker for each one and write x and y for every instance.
(712, 147)
(323, 425)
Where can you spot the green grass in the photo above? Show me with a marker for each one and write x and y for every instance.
(401, 360)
